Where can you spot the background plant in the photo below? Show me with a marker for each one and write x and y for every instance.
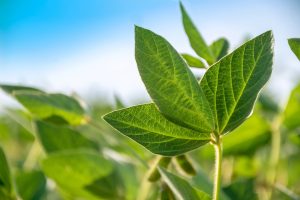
(58, 138)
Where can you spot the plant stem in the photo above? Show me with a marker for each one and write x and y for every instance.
(218, 165)
(275, 154)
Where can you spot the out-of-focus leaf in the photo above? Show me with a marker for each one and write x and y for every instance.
(5, 177)
(75, 170)
(31, 185)
(147, 126)
(232, 84)
(160, 162)
(219, 48)
(202, 182)
(118, 102)
(108, 187)
(291, 113)
(21, 118)
(166, 193)
(196, 40)
(181, 188)
(245, 167)
(130, 179)
(57, 138)
(43, 105)
(295, 46)
(268, 105)
(170, 83)
(185, 164)
(193, 61)
(10, 89)
(241, 189)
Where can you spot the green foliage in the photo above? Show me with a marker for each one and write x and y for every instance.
(5, 179)
(292, 110)
(170, 82)
(295, 46)
(43, 105)
(79, 170)
(193, 61)
(196, 40)
(11, 89)
(185, 164)
(219, 48)
(59, 150)
(232, 84)
(147, 126)
(181, 188)
(31, 184)
(57, 138)
(241, 189)
(211, 53)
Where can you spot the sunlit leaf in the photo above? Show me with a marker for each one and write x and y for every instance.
(170, 83)
(147, 126)
(233, 83)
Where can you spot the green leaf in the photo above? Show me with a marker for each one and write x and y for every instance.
(203, 182)
(193, 61)
(75, 170)
(232, 84)
(181, 188)
(108, 187)
(170, 83)
(147, 126)
(185, 164)
(10, 89)
(295, 46)
(241, 189)
(43, 106)
(31, 184)
(196, 40)
(219, 48)
(292, 110)
(57, 138)
(5, 179)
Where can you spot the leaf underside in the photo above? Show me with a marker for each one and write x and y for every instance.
(147, 126)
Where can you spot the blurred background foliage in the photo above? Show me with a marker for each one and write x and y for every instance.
(56, 146)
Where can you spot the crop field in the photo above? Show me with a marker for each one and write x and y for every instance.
(210, 130)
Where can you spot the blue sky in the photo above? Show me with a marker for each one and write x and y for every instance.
(89, 45)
